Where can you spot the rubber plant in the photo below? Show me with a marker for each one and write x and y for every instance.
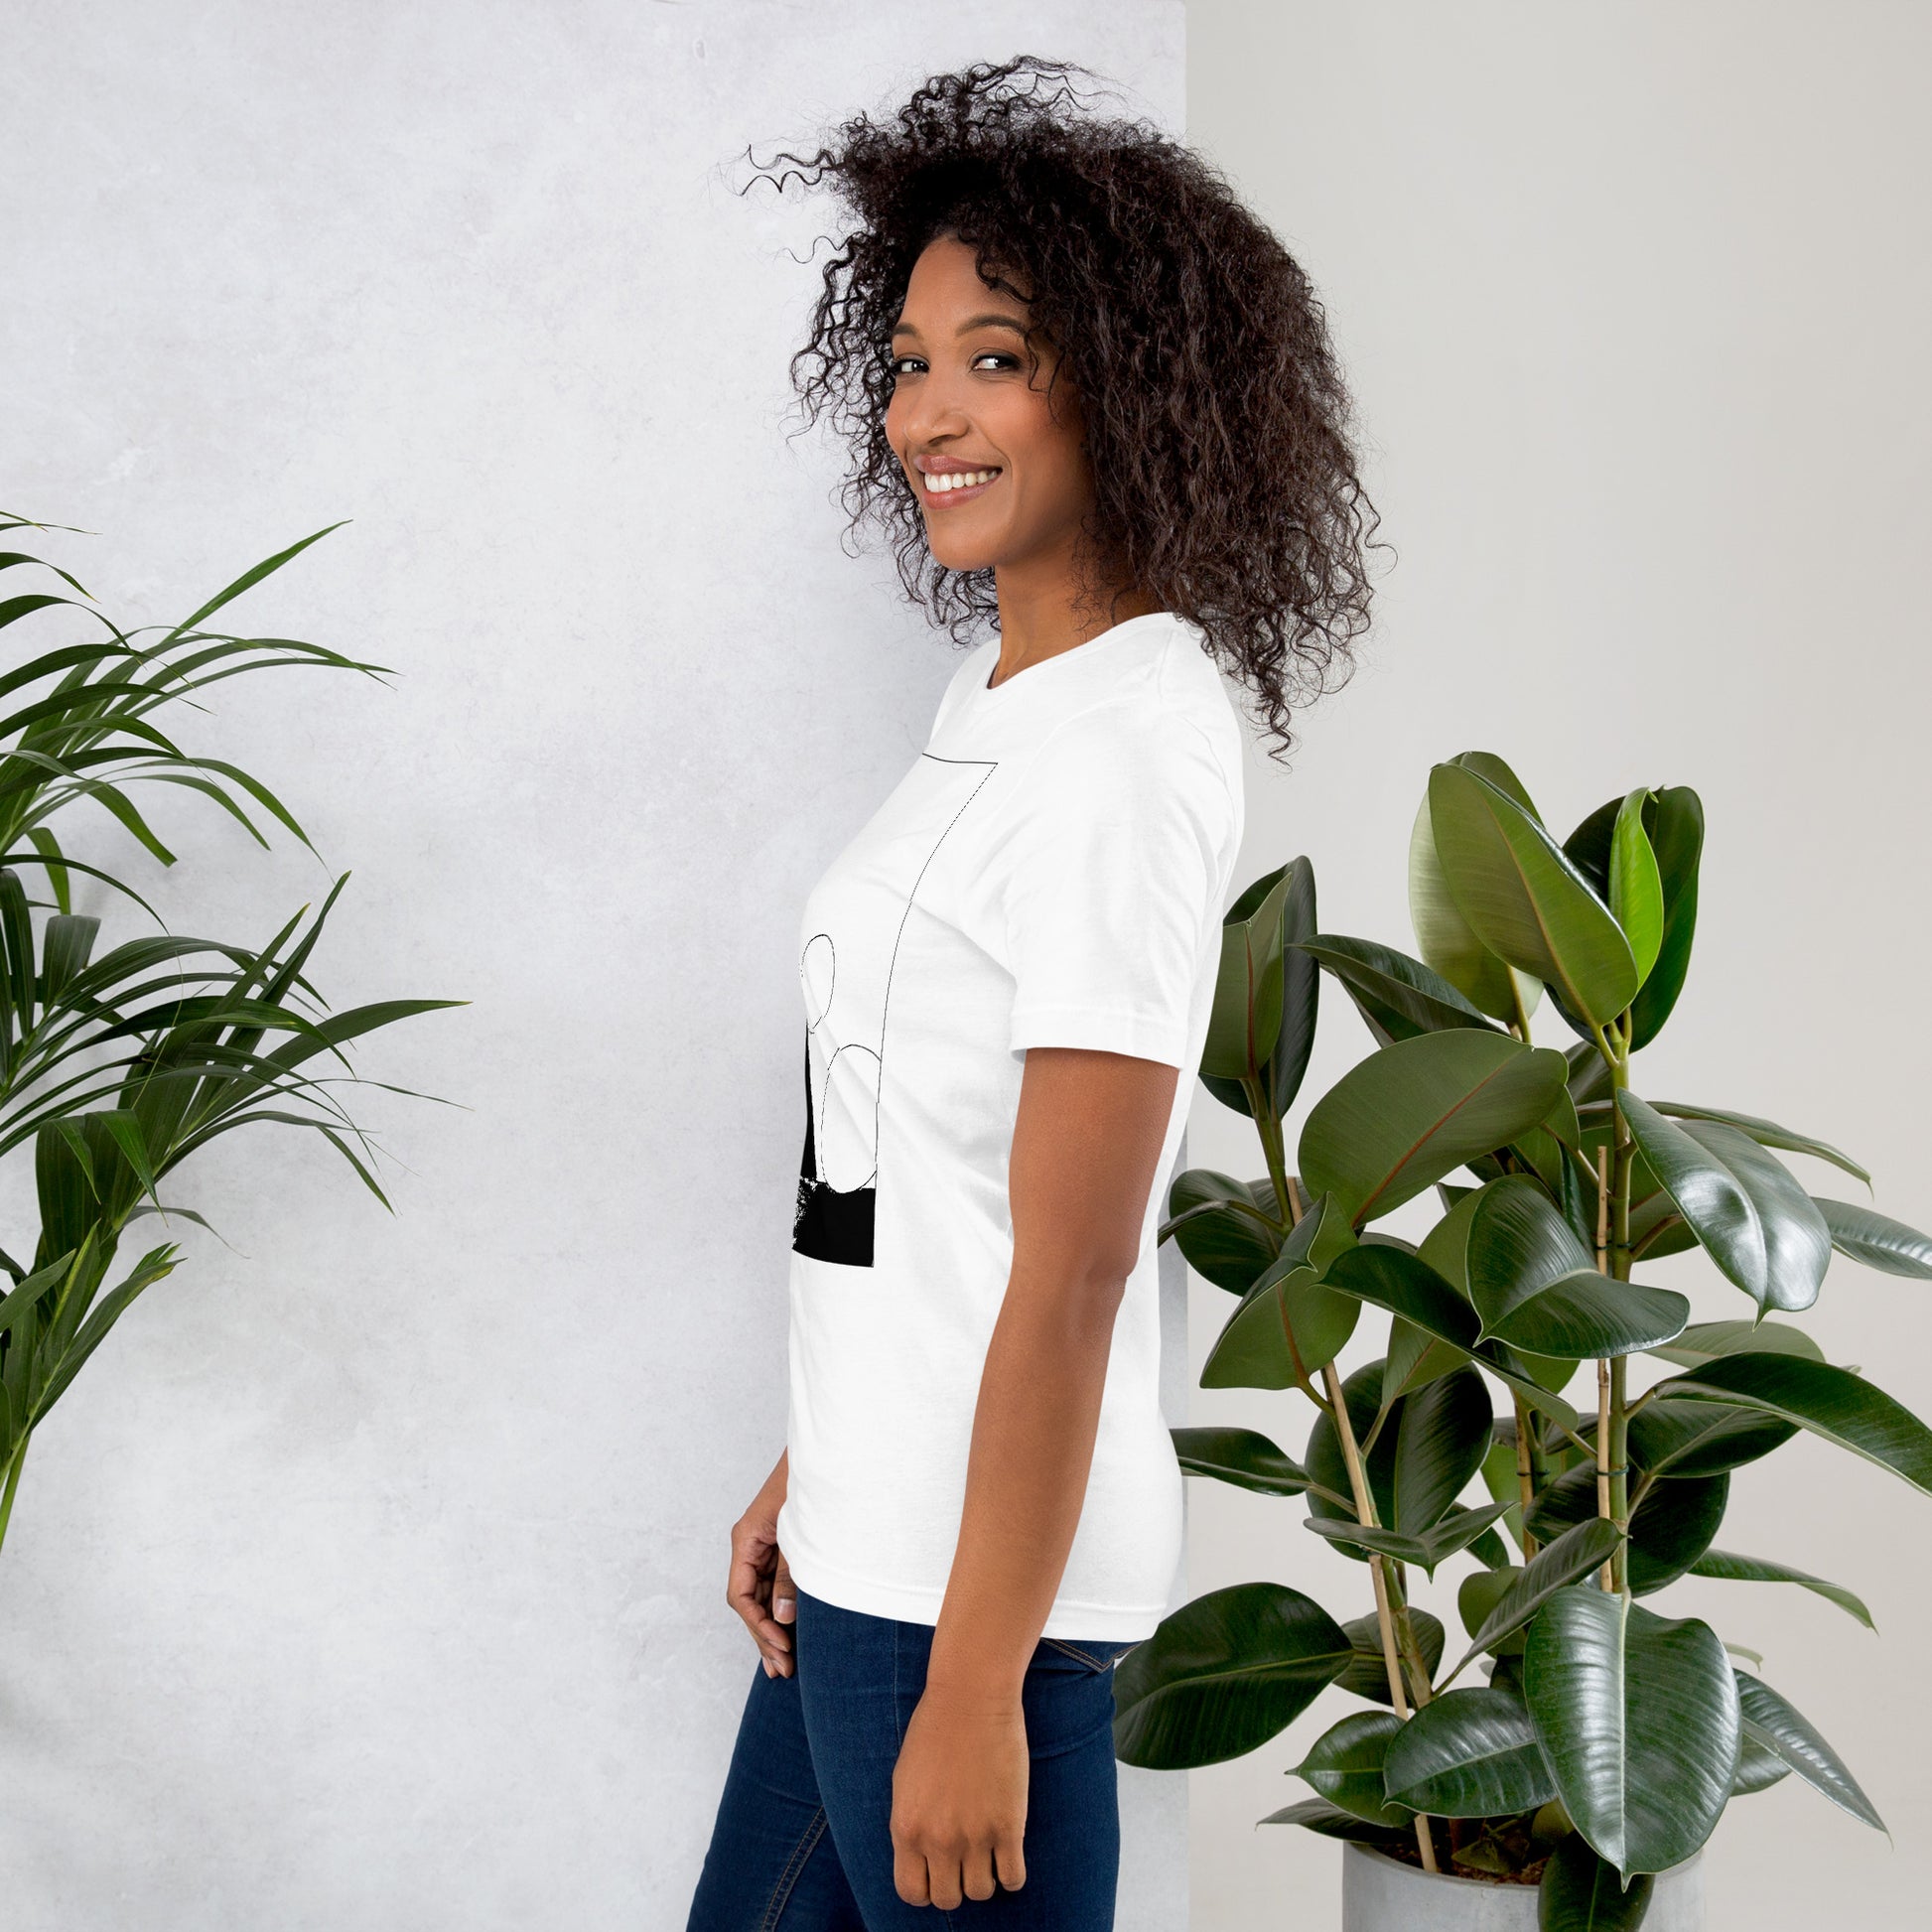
(1603, 1738)
(117, 1065)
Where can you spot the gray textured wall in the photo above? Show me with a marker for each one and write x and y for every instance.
(372, 1575)
(1635, 299)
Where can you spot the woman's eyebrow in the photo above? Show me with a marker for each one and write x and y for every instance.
(972, 321)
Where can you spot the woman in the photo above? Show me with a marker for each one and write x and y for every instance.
(1091, 400)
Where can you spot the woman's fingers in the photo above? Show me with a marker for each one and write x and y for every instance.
(784, 1599)
(748, 1591)
(976, 1876)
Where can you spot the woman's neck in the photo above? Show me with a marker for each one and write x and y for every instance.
(1041, 614)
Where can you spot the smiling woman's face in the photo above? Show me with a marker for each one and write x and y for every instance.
(969, 401)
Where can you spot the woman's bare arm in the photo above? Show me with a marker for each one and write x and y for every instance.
(1086, 1140)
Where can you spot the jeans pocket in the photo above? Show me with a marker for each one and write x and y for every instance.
(1063, 1653)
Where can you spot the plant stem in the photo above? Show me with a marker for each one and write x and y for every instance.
(13, 1483)
(1384, 1611)
(1525, 1476)
(1608, 1575)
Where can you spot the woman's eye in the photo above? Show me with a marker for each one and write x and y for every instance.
(998, 356)
(896, 365)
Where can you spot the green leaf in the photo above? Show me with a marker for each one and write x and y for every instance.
(1581, 1893)
(1702, 1438)
(1524, 899)
(1876, 1240)
(1245, 1021)
(1223, 1675)
(1453, 1534)
(1579, 1552)
(1405, 1286)
(1469, 1753)
(1367, 1675)
(1636, 887)
(1773, 1722)
(1831, 1401)
(1344, 1764)
(1706, 1341)
(1288, 1300)
(1362, 1393)
(1398, 995)
(1242, 1456)
(1537, 1287)
(1725, 1567)
(1418, 1110)
(1766, 1133)
(1225, 1236)
(1669, 1530)
(1441, 1442)
(1753, 1220)
(1318, 1815)
(1759, 1767)
(1445, 938)
(1638, 1716)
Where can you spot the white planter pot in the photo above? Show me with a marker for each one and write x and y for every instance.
(1382, 1894)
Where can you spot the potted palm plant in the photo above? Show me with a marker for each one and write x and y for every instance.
(1537, 1412)
(118, 1063)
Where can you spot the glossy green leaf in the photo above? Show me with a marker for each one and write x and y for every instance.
(1405, 1286)
(1638, 1716)
(1729, 1568)
(1876, 1240)
(1318, 1815)
(1637, 894)
(1441, 1442)
(1453, 1534)
(1275, 913)
(1671, 1528)
(1367, 1675)
(1831, 1401)
(1524, 899)
(1469, 1753)
(1344, 1766)
(1362, 1393)
(1751, 1217)
(1759, 1767)
(1222, 1229)
(1445, 938)
(1766, 1133)
(1245, 1020)
(1774, 1724)
(1702, 1438)
(1288, 1314)
(1706, 1341)
(1400, 996)
(1222, 1675)
(1579, 1892)
(1242, 1456)
(1579, 1552)
(1537, 1287)
(1674, 822)
(1418, 1110)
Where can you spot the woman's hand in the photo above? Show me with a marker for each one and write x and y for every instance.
(759, 1586)
(959, 1797)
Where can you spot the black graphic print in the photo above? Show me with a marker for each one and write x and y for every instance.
(847, 973)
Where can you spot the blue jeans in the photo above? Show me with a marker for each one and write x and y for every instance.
(803, 1836)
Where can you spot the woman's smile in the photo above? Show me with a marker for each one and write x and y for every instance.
(943, 485)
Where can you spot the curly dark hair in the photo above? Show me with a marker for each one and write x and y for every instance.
(1216, 419)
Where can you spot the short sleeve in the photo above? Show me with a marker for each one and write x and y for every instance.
(1110, 876)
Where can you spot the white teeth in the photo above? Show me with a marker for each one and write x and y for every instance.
(942, 481)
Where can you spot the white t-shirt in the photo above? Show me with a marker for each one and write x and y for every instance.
(1052, 871)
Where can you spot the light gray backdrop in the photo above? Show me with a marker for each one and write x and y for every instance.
(1636, 299)
(373, 1574)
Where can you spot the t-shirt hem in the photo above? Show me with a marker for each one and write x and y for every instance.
(912, 1603)
(1107, 1030)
